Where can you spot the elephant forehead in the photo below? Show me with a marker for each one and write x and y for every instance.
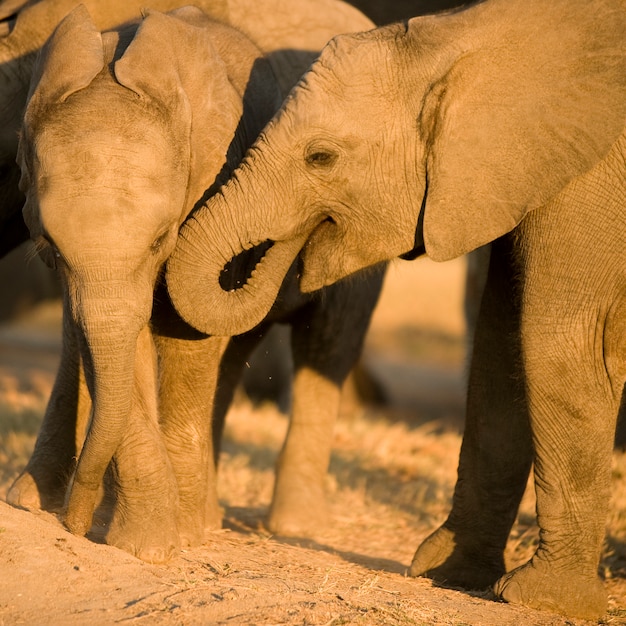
(69, 162)
(100, 187)
(99, 163)
(105, 213)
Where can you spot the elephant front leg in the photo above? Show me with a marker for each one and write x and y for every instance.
(299, 505)
(496, 455)
(572, 480)
(574, 400)
(145, 496)
(573, 426)
(573, 296)
(144, 516)
(189, 370)
(43, 483)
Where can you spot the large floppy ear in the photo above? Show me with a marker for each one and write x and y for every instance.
(516, 119)
(70, 59)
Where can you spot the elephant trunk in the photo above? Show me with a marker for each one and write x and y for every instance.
(210, 239)
(110, 331)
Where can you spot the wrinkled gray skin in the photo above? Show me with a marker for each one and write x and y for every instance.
(503, 122)
(112, 161)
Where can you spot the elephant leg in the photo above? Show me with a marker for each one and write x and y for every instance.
(188, 379)
(237, 354)
(496, 454)
(327, 339)
(44, 481)
(574, 342)
(198, 376)
(144, 518)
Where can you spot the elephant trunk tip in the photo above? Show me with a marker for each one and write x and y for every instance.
(80, 509)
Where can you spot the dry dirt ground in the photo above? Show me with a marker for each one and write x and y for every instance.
(390, 484)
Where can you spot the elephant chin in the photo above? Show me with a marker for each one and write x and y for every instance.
(324, 260)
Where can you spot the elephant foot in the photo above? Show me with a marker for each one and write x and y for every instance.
(214, 515)
(194, 527)
(24, 493)
(152, 537)
(80, 509)
(539, 586)
(199, 512)
(299, 511)
(192, 532)
(443, 558)
(30, 492)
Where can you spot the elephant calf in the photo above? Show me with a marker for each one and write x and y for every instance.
(116, 149)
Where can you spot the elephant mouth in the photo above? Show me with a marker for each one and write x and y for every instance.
(238, 271)
(320, 260)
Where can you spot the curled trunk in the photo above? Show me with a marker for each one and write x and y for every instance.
(207, 244)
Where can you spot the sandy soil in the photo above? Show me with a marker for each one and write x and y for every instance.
(390, 484)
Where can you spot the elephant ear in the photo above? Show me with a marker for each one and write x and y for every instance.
(148, 65)
(69, 61)
(151, 67)
(516, 119)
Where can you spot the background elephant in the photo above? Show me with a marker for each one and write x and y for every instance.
(109, 247)
(503, 122)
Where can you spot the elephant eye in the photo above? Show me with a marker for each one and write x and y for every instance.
(317, 157)
(48, 252)
(155, 246)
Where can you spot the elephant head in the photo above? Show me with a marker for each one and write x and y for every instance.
(436, 135)
(24, 29)
(116, 133)
(295, 35)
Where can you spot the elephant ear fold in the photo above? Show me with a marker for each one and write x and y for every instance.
(149, 65)
(511, 124)
(70, 59)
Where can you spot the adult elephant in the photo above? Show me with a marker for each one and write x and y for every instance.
(503, 122)
(115, 150)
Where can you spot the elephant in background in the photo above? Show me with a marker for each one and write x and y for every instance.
(115, 151)
(502, 123)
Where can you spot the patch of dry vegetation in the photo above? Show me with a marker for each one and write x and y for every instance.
(390, 484)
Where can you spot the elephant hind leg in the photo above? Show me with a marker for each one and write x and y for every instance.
(43, 483)
(496, 455)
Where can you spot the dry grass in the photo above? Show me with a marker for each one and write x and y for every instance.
(390, 484)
